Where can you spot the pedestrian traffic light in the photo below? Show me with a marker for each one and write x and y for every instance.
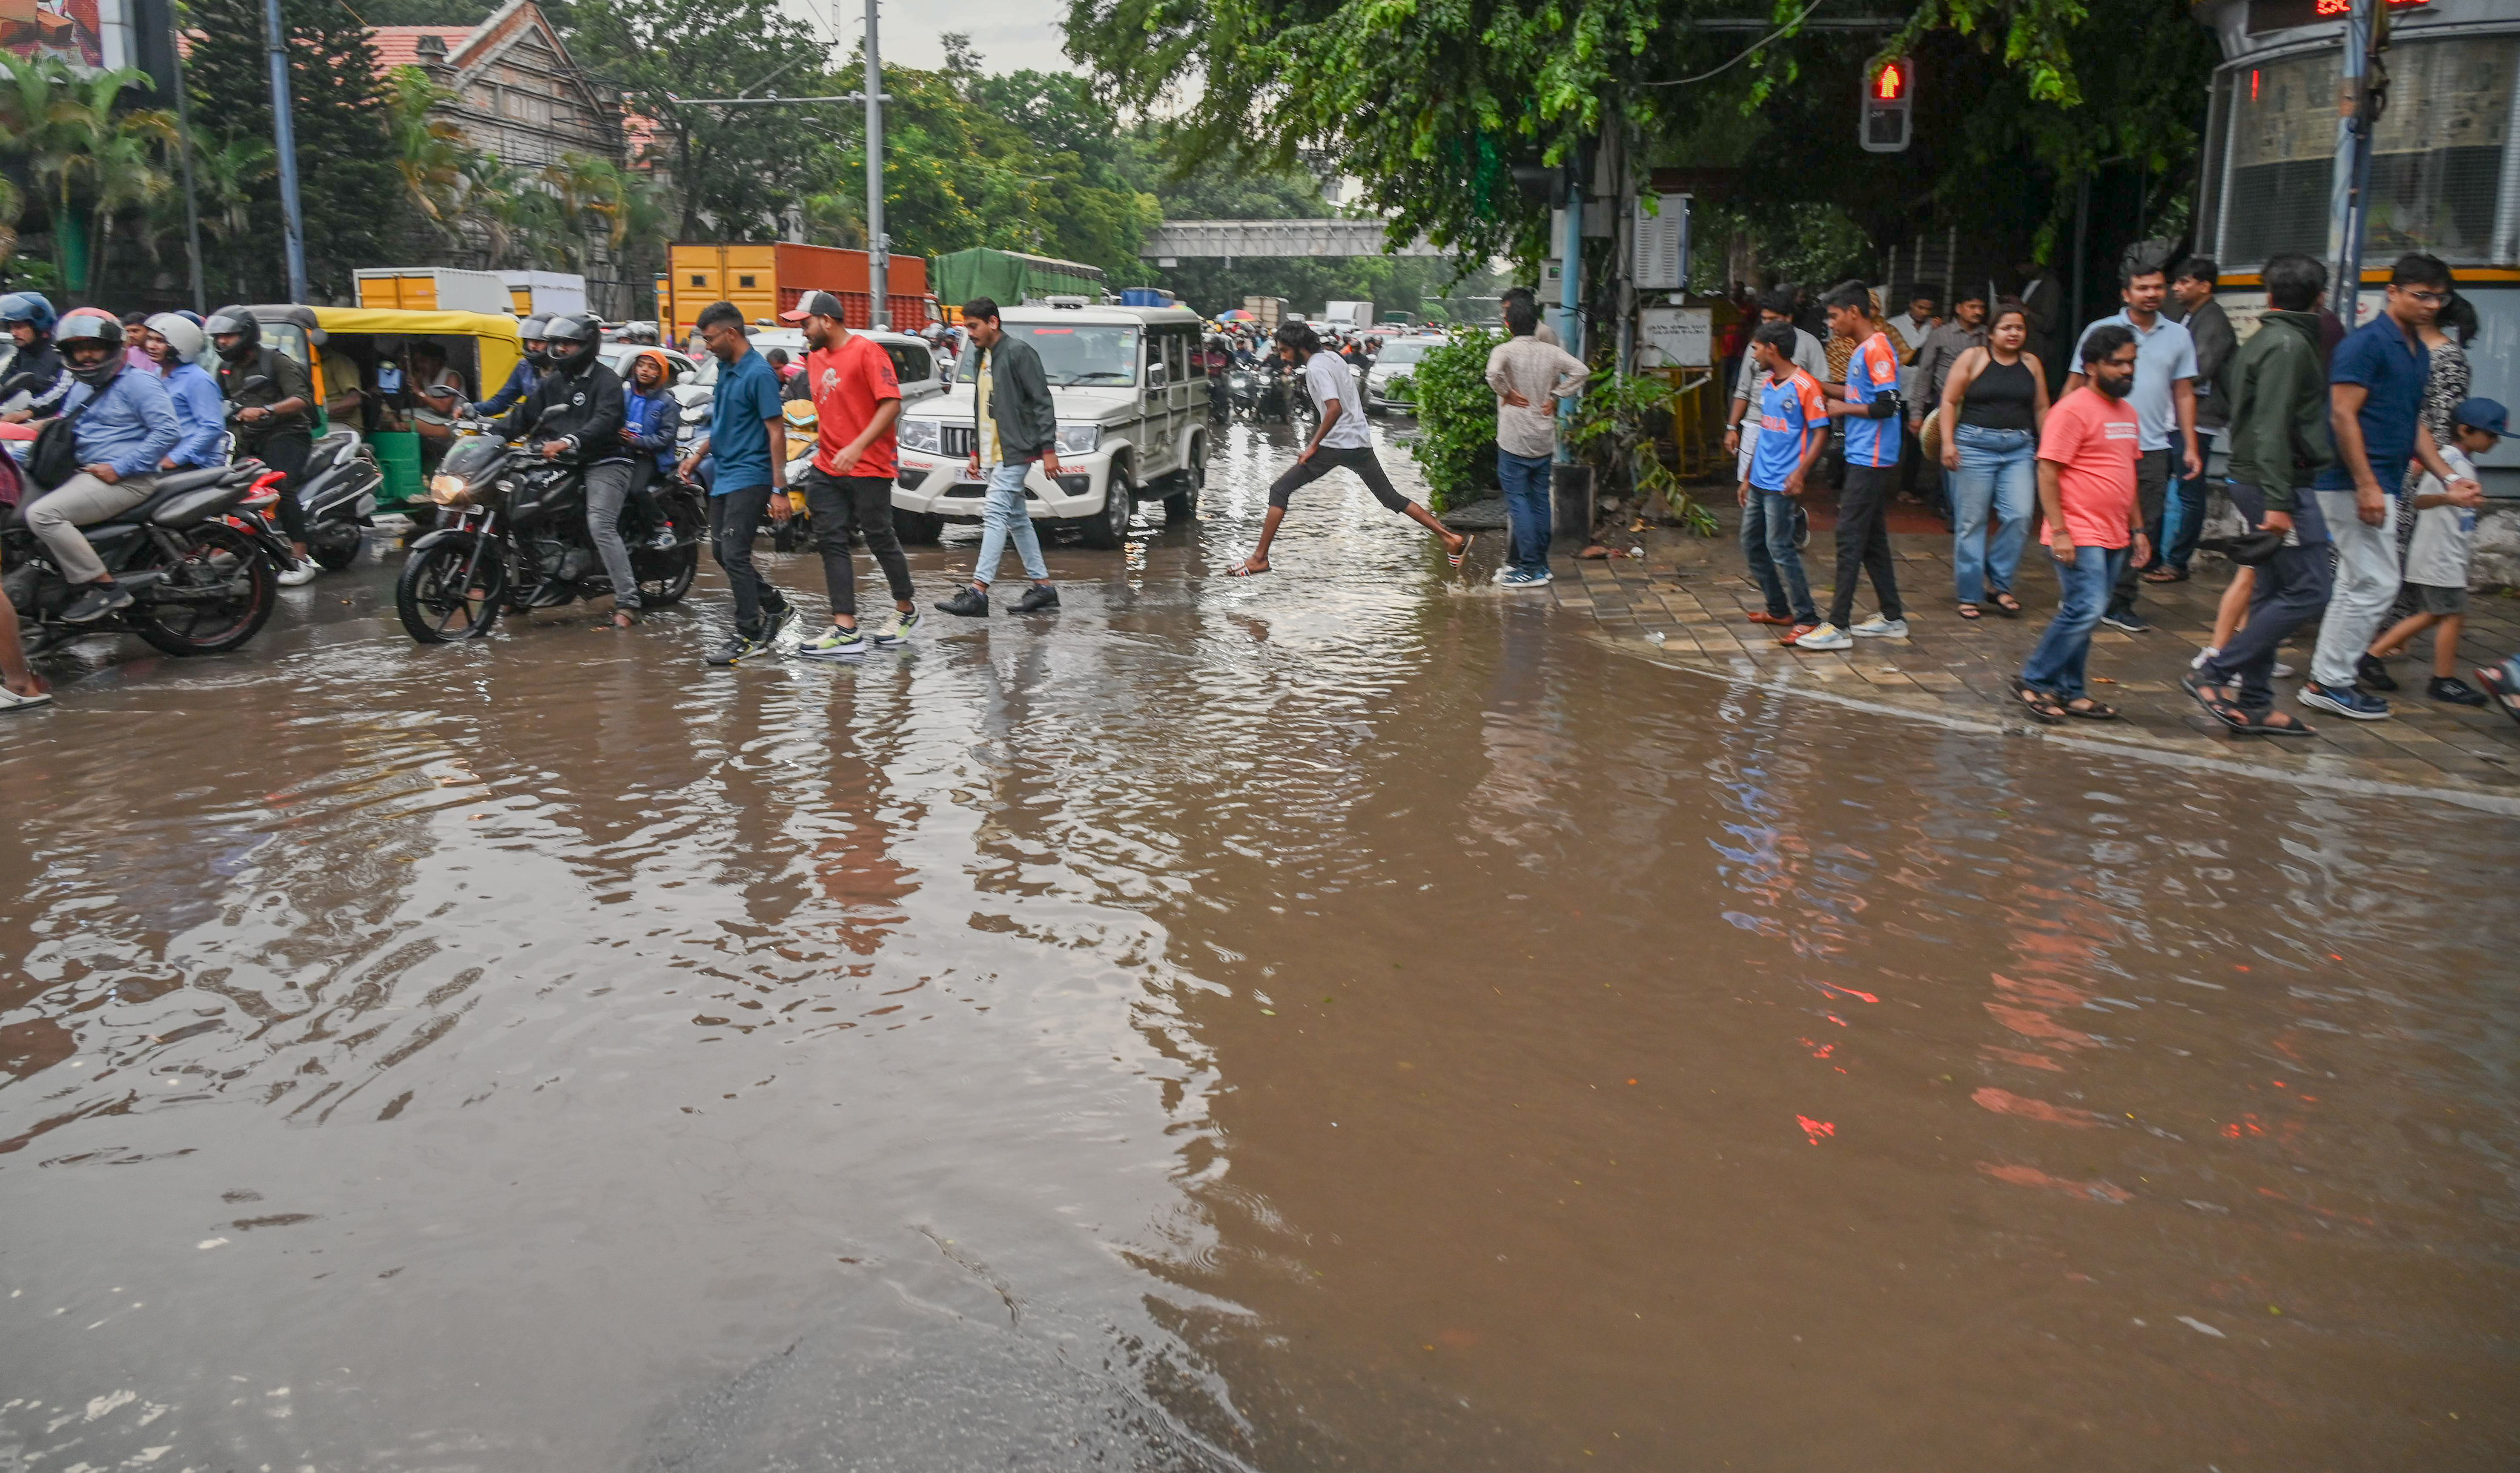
(1889, 103)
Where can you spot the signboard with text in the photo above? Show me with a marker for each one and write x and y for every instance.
(1676, 338)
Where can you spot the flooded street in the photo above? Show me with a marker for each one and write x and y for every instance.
(1343, 1019)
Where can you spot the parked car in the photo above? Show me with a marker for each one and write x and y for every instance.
(1133, 424)
(914, 362)
(1386, 382)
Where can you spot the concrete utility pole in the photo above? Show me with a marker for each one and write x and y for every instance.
(284, 136)
(1570, 292)
(2350, 185)
(879, 245)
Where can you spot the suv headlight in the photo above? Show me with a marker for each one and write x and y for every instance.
(1079, 439)
(923, 435)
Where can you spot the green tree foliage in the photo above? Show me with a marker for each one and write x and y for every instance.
(347, 185)
(1456, 443)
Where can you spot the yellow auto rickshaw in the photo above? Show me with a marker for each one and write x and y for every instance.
(390, 374)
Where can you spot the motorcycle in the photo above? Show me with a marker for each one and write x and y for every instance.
(201, 565)
(516, 541)
(339, 490)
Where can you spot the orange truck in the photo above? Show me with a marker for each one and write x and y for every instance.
(764, 281)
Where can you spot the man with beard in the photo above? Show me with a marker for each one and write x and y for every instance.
(848, 481)
(2087, 484)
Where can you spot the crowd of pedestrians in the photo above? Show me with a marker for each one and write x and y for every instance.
(2349, 455)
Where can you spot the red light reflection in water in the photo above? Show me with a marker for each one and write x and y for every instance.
(1815, 1129)
(2031, 1175)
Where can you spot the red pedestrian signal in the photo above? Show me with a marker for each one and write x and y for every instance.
(1885, 121)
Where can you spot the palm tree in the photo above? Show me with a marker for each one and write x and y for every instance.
(428, 152)
(225, 173)
(68, 131)
(125, 171)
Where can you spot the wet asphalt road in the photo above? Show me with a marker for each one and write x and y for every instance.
(1344, 1020)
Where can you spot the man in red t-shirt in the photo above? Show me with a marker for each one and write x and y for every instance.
(857, 397)
(2087, 449)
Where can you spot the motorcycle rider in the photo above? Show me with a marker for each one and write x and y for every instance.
(175, 346)
(36, 367)
(271, 399)
(527, 372)
(125, 427)
(576, 412)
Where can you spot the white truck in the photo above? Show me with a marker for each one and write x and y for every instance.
(1349, 313)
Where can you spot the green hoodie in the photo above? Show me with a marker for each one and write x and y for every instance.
(2280, 436)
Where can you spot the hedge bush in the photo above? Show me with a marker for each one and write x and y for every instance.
(1456, 443)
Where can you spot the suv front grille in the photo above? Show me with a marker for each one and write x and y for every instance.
(959, 439)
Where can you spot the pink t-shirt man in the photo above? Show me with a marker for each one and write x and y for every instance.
(2094, 441)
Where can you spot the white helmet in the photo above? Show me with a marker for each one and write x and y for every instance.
(181, 334)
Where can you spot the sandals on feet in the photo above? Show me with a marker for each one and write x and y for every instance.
(1455, 558)
(2039, 706)
(2085, 709)
(2005, 603)
(2274, 723)
(1244, 569)
(1971, 612)
(1763, 617)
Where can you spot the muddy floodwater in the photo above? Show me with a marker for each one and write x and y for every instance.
(1349, 1019)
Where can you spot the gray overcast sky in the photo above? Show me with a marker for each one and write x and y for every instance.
(1012, 35)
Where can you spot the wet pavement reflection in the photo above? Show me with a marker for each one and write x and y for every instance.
(1341, 1020)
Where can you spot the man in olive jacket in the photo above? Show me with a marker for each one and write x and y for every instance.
(2280, 440)
(1013, 424)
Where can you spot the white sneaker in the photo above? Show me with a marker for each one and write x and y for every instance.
(298, 577)
(1824, 637)
(1498, 576)
(1877, 627)
(2203, 655)
(2283, 671)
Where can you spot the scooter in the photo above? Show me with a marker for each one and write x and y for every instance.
(339, 490)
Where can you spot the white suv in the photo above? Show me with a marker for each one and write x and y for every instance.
(1131, 396)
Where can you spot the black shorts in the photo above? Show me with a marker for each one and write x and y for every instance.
(1357, 458)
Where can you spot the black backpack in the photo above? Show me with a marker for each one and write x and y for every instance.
(54, 457)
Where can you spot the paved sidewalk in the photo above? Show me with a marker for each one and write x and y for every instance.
(1686, 603)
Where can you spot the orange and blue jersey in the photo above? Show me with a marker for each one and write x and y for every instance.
(1872, 372)
(1788, 413)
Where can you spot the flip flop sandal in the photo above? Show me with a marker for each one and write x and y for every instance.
(2229, 712)
(2094, 710)
(1455, 558)
(1971, 612)
(2164, 575)
(2005, 605)
(2039, 706)
(1247, 570)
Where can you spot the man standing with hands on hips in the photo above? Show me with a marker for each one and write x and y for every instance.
(748, 435)
(849, 484)
(1013, 424)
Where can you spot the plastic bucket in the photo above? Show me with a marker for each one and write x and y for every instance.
(397, 453)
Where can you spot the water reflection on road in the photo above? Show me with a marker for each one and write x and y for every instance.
(1343, 1019)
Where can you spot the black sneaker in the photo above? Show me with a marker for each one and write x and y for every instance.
(741, 647)
(100, 600)
(970, 603)
(2126, 621)
(1037, 599)
(2371, 672)
(2455, 691)
(775, 621)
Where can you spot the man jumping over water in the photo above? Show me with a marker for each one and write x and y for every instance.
(1339, 439)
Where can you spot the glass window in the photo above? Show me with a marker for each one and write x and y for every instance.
(1106, 356)
(1401, 352)
(1177, 356)
(2436, 162)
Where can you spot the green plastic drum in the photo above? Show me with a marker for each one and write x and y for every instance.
(397, 453)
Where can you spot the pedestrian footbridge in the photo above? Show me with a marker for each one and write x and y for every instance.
(1176, 239)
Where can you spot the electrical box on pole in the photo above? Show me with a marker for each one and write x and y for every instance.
(1888, 121)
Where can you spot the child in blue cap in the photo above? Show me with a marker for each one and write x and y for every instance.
(2436, 572)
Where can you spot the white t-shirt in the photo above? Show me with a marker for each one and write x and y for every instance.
(1327, 378)
(2438, 556)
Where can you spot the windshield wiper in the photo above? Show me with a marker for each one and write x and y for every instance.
(1117, 376)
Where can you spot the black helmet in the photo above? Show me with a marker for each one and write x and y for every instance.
(571, 337)
(85, 326)
(242, 325)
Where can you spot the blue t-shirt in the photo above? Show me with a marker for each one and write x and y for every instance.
(2375, 356)
(748, 395)
(1873, 370)
(1788, 412)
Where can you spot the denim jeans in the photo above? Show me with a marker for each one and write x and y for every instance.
(1768, 532)
(2182, 512)
(1999, 469)
(733, 518)
(1525, 479)
(608, 490)
(2056, 665)
(1004, 514)
(2367, 583)
(2151, 489)
(2289, 591)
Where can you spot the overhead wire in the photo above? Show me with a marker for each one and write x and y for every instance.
(1750, 51)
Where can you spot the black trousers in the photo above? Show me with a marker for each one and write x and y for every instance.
(732, 518)
(286, 452)
(2152, 489)
(1357, 458)
(841, 503)
(2290, 590)
(1864, 542)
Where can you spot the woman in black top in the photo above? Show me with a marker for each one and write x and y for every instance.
(1994, 402)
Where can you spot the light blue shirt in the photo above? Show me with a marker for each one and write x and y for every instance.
(2162, 356)
(201, 411)
(132, 427)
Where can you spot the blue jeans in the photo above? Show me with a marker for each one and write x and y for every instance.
(2182, 512)
(1767, 545)
(2056, 665)
(1004, 514)
(1525, 479)
(1999, 469)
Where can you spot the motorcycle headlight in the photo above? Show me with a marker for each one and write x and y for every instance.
(449, 490)
(1079, 439)
(923, 435)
